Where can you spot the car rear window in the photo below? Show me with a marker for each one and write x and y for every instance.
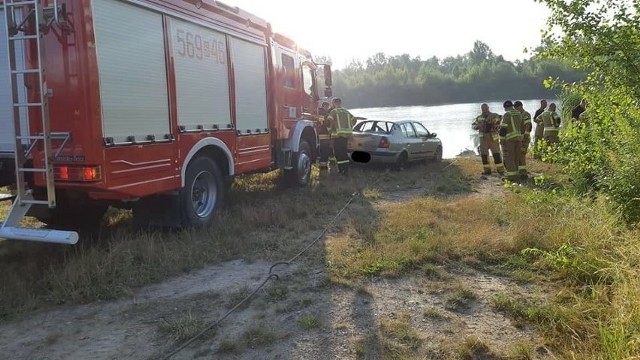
(381, 127)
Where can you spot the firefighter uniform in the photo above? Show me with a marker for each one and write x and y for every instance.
(538, 135)
(487, 124)
(551, 123)
(511, 139)
(324, 138)
(340, 124)
(526, 141)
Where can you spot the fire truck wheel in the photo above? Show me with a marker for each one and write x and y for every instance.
(300, 175)
(203, 192)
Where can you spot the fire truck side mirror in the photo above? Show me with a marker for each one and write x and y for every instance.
(328, 92)
(327, 75)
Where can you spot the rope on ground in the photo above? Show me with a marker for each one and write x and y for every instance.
(269, 277)
(451, 163)
(320, 236)
(214, 324)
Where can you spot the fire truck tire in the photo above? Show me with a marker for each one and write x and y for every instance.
(300, 175)
(203, 192)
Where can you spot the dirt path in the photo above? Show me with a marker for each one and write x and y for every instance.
(301, 316)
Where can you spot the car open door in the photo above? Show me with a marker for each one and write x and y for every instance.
(428, 143)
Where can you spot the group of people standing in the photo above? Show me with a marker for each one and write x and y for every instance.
(334, 129)
(508, 136)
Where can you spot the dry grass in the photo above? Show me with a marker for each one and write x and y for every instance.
(576, 249)
(399, 338)
(262, 218)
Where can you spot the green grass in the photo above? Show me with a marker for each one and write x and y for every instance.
(461, 299)
(182, 328)
(473, 348)
(228, 346)
(309, 321)
(434, 314)
(259, 335)
(399, 338)
(277, 293)
(433, 272)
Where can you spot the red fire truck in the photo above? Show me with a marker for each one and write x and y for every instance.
(149, 104)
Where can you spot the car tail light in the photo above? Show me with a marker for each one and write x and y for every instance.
(384, 143)
(77, 173)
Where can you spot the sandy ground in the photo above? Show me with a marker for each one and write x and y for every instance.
(346, 320)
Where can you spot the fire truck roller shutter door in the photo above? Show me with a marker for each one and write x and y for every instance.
(250, 85)
(132, 71)
(202, 77)
(7, 141)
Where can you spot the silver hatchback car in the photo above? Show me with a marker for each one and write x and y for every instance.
(393, 142)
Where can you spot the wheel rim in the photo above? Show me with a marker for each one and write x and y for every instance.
(304, 167)
(203, 194)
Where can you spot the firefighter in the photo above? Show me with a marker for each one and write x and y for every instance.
(579, 109)
(340, 124)
(487, 124)
(511, 139)
(551, 122)
(539, 128)
(323, 135)
(526, 139)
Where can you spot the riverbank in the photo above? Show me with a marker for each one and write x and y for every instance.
(434, 261)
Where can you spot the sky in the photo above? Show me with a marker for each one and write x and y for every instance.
(356, 29)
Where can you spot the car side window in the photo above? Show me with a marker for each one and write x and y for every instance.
(408, 131)
(421, 130)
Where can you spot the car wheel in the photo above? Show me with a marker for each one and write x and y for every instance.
(437, 157)
(203, 192)
(402, 161)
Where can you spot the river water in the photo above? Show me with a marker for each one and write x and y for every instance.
(451, 122)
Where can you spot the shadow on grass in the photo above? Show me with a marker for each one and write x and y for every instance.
(262, 218)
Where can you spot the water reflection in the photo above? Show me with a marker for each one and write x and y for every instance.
(451, 122)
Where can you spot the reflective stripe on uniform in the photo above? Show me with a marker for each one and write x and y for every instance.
(343, 119)
(522, 167)
(342, 162)
(549, 122)
(343, 132)
(510, 126)
(512, 173)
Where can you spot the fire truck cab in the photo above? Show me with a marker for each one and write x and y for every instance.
(148, 104)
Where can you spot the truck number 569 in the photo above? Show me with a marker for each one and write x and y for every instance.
(193, 46)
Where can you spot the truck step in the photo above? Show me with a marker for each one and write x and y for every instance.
(39, 235)
(7, 197)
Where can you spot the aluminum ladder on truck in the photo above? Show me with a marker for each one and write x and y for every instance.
(16, 33)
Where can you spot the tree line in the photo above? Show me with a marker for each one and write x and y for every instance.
(602, 154)
(478, 75)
